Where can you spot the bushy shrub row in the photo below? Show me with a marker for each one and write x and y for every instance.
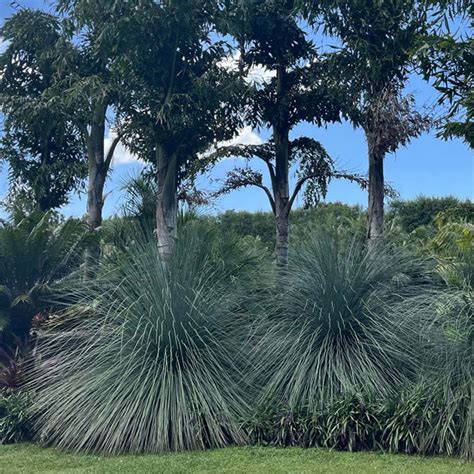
(416, 421)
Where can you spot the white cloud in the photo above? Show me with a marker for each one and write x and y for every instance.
(257, 74)
(122, 156)
(246, 136)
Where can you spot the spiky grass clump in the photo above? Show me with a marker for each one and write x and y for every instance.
(154, 366)
(448, 375)
(345, 324)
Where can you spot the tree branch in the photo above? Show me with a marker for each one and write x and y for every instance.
(363, 182)
(110, 152)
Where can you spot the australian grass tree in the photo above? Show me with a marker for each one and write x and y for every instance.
(151, 362)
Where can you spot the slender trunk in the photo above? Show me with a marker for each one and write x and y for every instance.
(166, 203)
(282, 239)
(281, 194)
(43, 180)
(281, 190)
(95, 191)
(375, 226)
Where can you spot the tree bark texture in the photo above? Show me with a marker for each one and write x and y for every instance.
(166, 204)
(281, 130)
(98, 168)
(375, 227)
(281, 194)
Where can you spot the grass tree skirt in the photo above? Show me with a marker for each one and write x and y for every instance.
(150, 360)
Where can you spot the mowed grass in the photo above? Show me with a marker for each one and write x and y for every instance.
(28, 458)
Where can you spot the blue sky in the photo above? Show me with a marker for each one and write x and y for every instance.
(428, 165)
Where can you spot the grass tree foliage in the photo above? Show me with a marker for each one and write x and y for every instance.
(344, 324)
(154, 365)
(449, 375)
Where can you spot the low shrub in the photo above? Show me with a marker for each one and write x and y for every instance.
(416, 421)
(16, 420)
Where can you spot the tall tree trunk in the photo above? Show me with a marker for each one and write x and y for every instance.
(281, 194)
(282, 239)
(375, 226)
(98, 168)
(166, 203)
(281, 190)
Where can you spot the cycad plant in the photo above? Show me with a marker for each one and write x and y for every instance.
(345, 323)
(35, 252)
(151, 364)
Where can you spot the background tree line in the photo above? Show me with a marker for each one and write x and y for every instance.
(172, 79)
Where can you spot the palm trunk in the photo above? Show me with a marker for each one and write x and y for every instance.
(281, 190)
(95, 192)
(166, 204)
(375, 226)
(282, 239)
(281, 194)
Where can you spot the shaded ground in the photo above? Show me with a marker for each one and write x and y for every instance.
(28, 458)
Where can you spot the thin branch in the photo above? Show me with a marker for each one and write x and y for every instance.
(110, 152)
(363, 182)
(269, 195)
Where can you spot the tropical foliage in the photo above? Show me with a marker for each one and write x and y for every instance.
(16, 421)
(36, 251)
(163, 328)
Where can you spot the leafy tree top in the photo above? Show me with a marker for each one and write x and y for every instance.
(176, 94)
(39, 142)
(269, 33)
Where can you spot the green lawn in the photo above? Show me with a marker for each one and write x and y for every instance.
(27, 458)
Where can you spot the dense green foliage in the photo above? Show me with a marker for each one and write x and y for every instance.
(36, 251)
(423, 210)
(403, 218)
(39, 142)
(16, 422)
(303, 222)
